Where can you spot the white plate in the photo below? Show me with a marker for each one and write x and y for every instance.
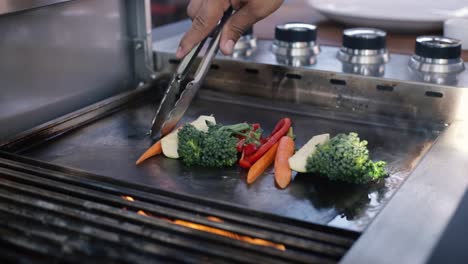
(394, 15)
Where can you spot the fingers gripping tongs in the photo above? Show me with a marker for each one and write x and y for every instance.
(171, 111)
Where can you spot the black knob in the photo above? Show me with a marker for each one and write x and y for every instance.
(296, 32)
(436, 47)
(364, 38)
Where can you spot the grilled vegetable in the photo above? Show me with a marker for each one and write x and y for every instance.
(154, 150)
(346, 158)
(298, 162)
(283, 173)
(280, 130)
(250, 140)
(262, 164)
(213, 148)
(170, 143)
(190, 141)
(219, 146)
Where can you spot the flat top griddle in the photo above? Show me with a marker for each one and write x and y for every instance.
(110, 146)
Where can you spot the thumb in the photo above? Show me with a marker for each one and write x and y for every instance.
(234, 28)
(203, 23)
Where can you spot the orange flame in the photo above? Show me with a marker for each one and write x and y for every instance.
(215, 219)
(220, 232)
(128, 198)
(141, 212)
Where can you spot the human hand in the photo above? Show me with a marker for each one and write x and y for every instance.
(205, 15)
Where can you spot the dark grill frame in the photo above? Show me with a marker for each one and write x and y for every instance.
(50, 212)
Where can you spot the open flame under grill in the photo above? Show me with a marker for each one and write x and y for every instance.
(220, 232)
(52, 213)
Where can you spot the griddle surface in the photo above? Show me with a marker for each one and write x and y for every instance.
(110, 147)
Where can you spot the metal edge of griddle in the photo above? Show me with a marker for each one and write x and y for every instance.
(419, 105)
(410, 225)
(56, 127)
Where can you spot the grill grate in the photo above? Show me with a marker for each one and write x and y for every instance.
(52, 213)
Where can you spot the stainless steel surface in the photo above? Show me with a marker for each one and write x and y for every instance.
(187, 95)
(436, 78)
(363, 56)
(11, 6)
(170, 96)
(396, 70)
(376, 70)
(411, 224)
(139, 30)
(59, 58)
(429, 65)
(111, 145)
(245, 46)
(420, 104)
(364, 33)
(363, 62)
(295, 53)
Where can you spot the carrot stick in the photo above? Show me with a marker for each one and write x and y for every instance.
(154, 150)
(262, 164)
(283, 173)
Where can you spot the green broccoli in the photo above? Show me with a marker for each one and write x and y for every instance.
(346, 158)
(215, 148)
(190, 144)
(219, 149)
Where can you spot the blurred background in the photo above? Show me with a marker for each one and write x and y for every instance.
(168, 11)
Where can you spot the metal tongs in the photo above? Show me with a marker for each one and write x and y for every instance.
(167, 117)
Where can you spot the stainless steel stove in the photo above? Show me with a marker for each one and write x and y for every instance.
(412, 110)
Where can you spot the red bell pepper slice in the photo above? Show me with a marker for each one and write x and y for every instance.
(240, 145)
(280, 130)
(250, 149)
(248, 136)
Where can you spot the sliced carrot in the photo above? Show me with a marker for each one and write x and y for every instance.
(154, 150)
(283, 172)
(262, 164)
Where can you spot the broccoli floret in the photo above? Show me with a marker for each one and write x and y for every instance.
(215, 148)
(190, 145)
(346, 158)
(219, 149)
